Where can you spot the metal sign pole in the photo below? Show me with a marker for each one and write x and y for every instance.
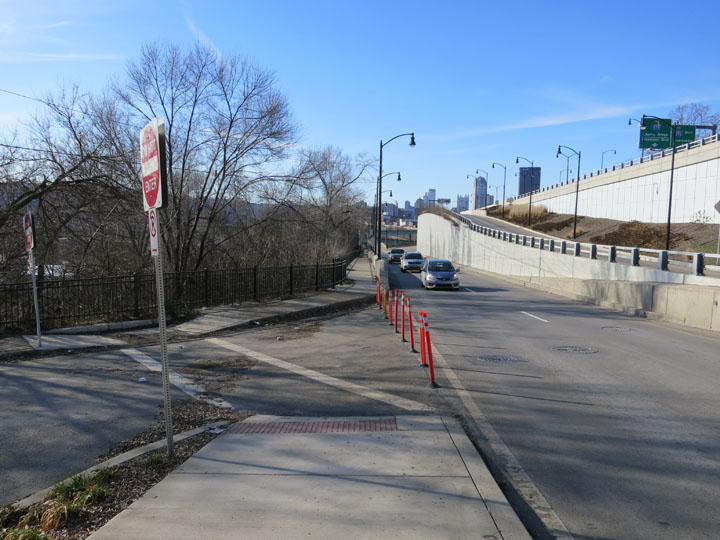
(31, 260)
(163, 337)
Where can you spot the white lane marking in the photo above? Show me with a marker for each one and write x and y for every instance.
(396, 401)
(520, 479)
(469, 290)
(533, 316)
(186, 385)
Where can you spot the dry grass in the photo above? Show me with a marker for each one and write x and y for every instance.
(520, 213)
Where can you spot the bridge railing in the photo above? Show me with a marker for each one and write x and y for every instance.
(666, 260)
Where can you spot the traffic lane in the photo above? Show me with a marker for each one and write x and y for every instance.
(599, 433)
(502, 226)
(59, 413)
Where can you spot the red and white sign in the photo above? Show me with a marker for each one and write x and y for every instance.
(29, 227)
(151, 138)
(152, 225)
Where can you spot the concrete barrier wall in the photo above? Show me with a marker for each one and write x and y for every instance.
(640, 192)
(681, 298)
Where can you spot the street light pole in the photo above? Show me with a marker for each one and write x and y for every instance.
(602, 159)
(577, 184)
(532, 177)
(504, 178)
(379, 186)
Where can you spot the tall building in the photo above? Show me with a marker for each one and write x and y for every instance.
(463, 203)
(528, 180)
(430, 199)
(419, 205)
(479, 193)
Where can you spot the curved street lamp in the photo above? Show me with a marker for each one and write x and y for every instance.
(602, 159)
(379, 186)
(504, 177)
(532, 177)
(577, 184)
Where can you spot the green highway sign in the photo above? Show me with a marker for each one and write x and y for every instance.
(684, 134)
(656, 134)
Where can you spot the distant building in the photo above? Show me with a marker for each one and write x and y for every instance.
(528, 180)
(479, 193)
(419, 206)
(463, 203)
(409, 209)
(430, 198)
(490, 199)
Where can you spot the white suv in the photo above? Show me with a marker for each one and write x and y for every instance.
(411, 261)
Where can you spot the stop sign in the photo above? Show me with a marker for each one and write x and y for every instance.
(152, 159)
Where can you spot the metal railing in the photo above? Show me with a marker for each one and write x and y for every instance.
(68, 302)
(666, 260)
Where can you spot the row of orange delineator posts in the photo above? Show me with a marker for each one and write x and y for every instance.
(396, 306)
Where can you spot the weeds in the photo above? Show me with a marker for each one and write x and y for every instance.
(22, 534)
(156, 459)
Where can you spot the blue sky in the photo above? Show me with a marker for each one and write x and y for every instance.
(478, 82)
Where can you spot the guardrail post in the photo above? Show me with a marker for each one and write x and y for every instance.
(542, 244)
(612, 254)
(663, 260)
(698, 264)
(532, 242)
(524, 240)
(563, 247)
(635, 256)
(593, 251)
(578, 249)
(517, 238)
(552, 245)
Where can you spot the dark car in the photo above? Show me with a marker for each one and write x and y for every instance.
(395, 254)
(437, 273)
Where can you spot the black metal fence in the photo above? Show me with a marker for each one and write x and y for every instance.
(69, 302)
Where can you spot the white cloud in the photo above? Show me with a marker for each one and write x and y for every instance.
(200, 36)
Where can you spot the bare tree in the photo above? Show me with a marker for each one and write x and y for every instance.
(224, 122)
(695, 114)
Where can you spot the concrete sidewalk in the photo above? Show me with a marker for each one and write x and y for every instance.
(359, 290)
(326, 478)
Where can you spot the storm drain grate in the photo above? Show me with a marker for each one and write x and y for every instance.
(616, 328)
(323, 426)
(576, 349)
(498, 359)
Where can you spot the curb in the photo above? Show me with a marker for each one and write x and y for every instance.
(38, 496)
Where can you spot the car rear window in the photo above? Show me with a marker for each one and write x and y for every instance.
(396, 250)
(413, 256)
(441, 266)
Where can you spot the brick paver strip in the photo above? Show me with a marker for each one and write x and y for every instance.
(332, 426)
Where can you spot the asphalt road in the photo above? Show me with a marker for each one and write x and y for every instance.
(615, 419)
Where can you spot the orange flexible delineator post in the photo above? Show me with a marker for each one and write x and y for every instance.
(397, 309)
(384, 301)
(409, 316)
(392, 307)
(403, 299)
(428, 348)
(421, 330)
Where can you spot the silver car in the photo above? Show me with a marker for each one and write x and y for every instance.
(437, 273)
(412, 261)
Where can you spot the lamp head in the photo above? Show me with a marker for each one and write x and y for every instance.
(412, 140)
(517, 160)
(390, 194)
(558, 153)
(399, 177)
(629, 121)
(492, 166)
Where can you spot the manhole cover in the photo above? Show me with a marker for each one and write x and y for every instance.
(576, 349)
(498, 359)
(616, 328)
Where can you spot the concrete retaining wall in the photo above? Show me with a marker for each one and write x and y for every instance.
(640, 192)
(681, 298)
